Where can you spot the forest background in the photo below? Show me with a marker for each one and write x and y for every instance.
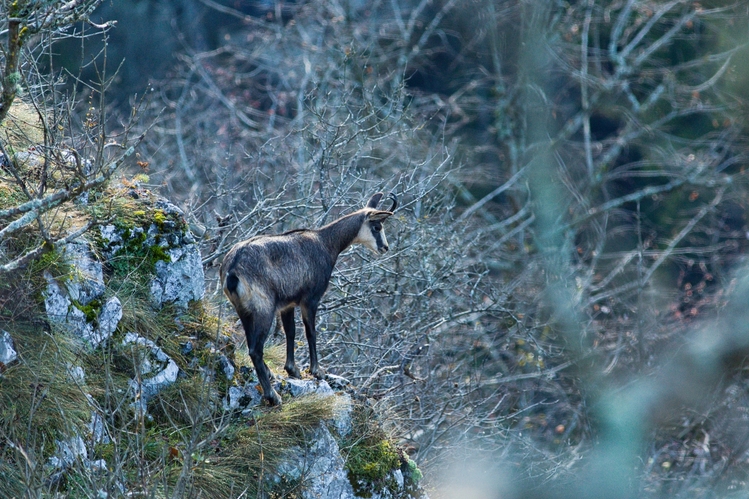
(563, 309)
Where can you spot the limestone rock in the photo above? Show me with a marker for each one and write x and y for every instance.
(153, 360)
(87, 282)
(320, 467)
(56, 302)
(109, 317)
(7, 349)
(299, 387)
(226, 366)
(72, 452)
(61, 310)
(63, 299)
(343, 414)
(68, 452)
(76, 374)
(242, 398)
(179, 281)
(337, 382)
(112, 238)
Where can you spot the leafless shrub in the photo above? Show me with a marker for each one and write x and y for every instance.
(611, 136)
(49, 154)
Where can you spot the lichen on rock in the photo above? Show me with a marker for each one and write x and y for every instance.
(86, 282)
(151, 233)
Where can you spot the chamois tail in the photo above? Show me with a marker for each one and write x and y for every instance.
(232, 282)
(238, 291)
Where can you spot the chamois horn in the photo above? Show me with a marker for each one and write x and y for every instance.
(394, 199)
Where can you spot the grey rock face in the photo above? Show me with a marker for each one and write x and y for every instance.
(181, 280)
(109, 317)
(114, 239)
(226, 366)
(68, 453)
(7, 348)
(87, 281)
(343, 413)
(319, 464)
(320, 467)
(242, 398)
(299, 387)
(56, 302)
(76, 374)
(61, 310)
(78, 326)
(153, 360)
(99, 433)
(72, 452)
(337, 382)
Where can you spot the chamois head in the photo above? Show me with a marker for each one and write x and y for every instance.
(371, 234)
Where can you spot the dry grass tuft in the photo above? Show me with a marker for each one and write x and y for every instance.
(249, 450)
(23, 127)
(40, 402)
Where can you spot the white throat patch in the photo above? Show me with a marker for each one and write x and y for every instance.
(367, 239)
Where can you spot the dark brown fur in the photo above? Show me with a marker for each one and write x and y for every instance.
(268, 275)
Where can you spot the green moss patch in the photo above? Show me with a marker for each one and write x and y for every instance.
(133, 211)
(372, 457)
(372, 460)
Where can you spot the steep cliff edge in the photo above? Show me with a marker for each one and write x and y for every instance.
(118, 378)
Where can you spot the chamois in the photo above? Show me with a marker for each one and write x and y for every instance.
(268, 275)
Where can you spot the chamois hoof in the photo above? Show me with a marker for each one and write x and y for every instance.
(318, 373)
(293, 372)
(273, 398)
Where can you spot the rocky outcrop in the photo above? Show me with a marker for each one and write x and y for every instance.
(179, 279)
(154, 260)
(73, 303)
(320, 467)
(178, 276)
(76, 301)
(319, 464)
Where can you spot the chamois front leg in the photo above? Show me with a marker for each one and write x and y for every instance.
(309, 311)
(287, 321)
(256, 329)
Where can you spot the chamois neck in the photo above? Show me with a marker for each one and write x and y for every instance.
(339, 235)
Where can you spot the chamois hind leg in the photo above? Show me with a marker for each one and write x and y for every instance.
(287, 321)
(256, 328)
(309, 311)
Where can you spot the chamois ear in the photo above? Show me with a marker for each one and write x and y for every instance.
(379, 215)
(374, 200)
